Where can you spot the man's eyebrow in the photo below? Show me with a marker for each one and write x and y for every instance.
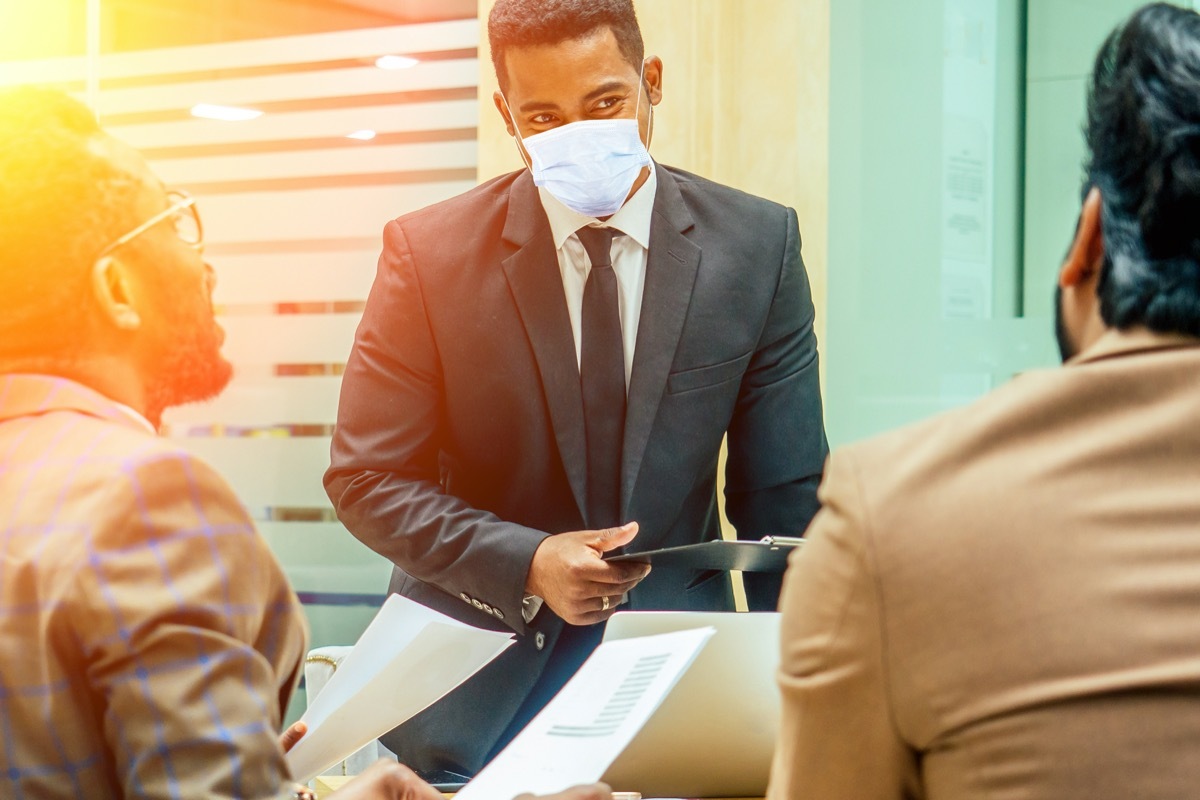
(529, 108)
(606, 88)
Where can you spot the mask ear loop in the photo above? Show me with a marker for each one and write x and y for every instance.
(638, 106)
(637, 109)
(516, 132)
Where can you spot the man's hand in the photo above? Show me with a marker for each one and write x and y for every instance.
(387, 780)
(569, 574)
(596, 791)
(288, 739)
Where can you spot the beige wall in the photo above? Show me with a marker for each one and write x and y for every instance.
(745, 103)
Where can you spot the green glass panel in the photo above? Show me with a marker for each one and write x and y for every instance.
(955, 167)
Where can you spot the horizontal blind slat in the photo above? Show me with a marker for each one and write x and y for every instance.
(301, 125)
(283, 50)
(294, 277)
(263, 401)
(289, 338)
(269, 471)
(334, 213)
(353, 159)
(348, 82)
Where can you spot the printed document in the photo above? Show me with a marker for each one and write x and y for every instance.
(587, 725)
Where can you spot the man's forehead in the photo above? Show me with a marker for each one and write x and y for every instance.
(577, 64)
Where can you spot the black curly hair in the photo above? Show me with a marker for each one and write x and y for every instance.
(522, 23)
(1143, 139)
(62, 199)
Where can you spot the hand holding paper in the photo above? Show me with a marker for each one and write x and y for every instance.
(409, 657)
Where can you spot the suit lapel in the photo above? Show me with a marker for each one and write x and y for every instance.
(536, 285)
(670, 275)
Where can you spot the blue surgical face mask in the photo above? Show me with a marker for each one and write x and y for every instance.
(589, 166)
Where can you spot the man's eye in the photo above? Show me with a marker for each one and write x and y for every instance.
(608, 102)
(543, 119)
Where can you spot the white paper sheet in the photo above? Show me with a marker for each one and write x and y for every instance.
(409, 657)
(587, 725)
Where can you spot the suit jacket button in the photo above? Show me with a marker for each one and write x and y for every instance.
(487, 608)
(499, 614)
(476, 603)
(466, 598)
(540, 640)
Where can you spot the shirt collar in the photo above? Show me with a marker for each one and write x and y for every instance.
(1116, 342)
(24, 394)
(135, 417)
(631, 219)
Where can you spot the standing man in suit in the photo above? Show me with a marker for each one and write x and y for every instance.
(151, 640)
(1004, 601)
(546, 368)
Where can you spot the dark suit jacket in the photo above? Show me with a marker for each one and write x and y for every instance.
(460, 436)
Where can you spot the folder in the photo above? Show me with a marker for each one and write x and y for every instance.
(768, 555)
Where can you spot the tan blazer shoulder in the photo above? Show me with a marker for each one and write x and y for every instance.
(1004, 597)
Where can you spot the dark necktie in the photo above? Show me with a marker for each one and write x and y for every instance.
(602, 376)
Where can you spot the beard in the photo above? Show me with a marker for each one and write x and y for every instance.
(188, 366)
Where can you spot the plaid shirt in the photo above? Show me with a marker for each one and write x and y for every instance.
(149, 639)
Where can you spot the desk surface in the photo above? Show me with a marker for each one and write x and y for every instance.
(326, 785)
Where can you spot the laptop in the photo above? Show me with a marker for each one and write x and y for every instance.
(714, 735)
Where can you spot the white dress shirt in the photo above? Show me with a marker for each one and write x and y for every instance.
(629, 263)
(628, 259)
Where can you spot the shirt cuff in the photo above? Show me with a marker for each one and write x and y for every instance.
(531, 604)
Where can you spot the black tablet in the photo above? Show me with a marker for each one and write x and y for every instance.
(768, 555)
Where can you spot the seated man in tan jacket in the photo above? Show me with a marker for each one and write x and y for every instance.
(1004, 601)
(150, 639)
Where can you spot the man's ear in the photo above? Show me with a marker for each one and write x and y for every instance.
(653, 75)
(112, 289)
(502, 107)
(1087, 250)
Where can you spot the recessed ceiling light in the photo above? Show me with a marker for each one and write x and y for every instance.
(396, 62)
(362, 136)
(224, 113)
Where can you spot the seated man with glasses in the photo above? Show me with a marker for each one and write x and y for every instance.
(150, 638)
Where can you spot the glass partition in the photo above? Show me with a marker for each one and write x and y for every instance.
(955, 164)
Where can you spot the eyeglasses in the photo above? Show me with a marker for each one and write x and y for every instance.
(183, 215)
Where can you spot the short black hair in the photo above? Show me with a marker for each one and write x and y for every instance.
(62, 200)
(1143, 139)
(524, 23)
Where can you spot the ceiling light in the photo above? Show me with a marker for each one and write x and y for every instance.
(362, 136)
(224, 113)
(395, 62)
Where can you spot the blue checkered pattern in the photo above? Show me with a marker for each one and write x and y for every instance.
(149, 639)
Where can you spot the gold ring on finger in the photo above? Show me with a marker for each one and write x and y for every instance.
(604, 603)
